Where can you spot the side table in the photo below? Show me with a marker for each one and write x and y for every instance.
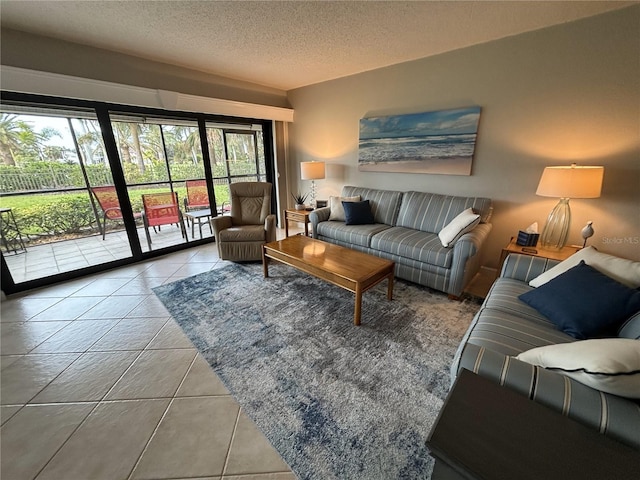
(198, 215)
(538, 251)
(301, 216)
(490, 432)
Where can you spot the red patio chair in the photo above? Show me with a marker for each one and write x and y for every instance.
(107, 198)
(161, 209)
(198, 198)
(197, 195)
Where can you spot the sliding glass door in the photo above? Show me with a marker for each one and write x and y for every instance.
(164, 173)
(51, 159)
(84, 184)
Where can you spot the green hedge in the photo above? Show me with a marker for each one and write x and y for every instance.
(58, 214)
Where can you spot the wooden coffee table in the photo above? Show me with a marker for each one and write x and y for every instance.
(346, 268)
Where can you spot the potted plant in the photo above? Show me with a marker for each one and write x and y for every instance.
(299, 199)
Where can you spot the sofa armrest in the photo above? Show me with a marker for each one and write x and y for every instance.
(466, 262)
(270, 227)
(317, 216)
(525, 267)
(475, 238)
(614, 416)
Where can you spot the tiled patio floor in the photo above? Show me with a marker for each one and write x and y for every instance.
(47, 259)
(98, 382)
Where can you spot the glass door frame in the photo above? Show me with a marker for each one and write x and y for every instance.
(260, 171)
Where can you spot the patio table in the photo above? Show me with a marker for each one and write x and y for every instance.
(198, 215)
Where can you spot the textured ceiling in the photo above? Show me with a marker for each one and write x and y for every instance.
(288, 44)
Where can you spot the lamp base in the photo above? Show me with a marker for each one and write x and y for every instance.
(313, 194)
(556, 230)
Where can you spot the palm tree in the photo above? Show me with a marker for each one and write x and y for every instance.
(186, 144)
(151, 142)
(216, 146)
(38, 140)
(10, 137)
(18, 139)
(90, 141)
(135, 135)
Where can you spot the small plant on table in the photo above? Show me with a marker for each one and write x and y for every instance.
(299, 199)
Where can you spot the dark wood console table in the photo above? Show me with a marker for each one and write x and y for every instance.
(486, 431)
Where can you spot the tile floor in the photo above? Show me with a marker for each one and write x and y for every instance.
(98, 382)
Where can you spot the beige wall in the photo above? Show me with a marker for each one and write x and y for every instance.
(565, 94)
(35, 52)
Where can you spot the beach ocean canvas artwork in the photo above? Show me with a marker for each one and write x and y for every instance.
(441, 142)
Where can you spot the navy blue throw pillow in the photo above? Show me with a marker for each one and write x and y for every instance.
(357, 213)
(583, 302)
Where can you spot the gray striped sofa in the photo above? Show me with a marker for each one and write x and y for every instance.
(406, 232)
(506, 326)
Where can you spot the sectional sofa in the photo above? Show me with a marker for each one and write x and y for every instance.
(405, 228)
(513, 344)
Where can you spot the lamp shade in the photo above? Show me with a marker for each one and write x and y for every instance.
(311, 170)
(571, 182)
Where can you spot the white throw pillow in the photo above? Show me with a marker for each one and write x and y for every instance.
(463, 223)
(611, 365)
(337, 210)
(622, 270)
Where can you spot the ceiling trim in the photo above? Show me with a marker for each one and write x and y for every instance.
(54, 84)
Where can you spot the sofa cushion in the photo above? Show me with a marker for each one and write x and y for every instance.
(430, 212)
(337, 209)
(624, 271)
(350, 234)
(504, 296)
(384, 203)
(583, 302)
(421, 246)
(510, 334)
(357, 213)
(246, 233)
(463, 223)
(611, 365)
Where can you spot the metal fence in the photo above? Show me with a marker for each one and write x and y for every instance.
(54, 180)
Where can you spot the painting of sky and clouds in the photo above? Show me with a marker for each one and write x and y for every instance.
(433, 142)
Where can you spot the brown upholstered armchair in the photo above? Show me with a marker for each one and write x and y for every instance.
(240, 236)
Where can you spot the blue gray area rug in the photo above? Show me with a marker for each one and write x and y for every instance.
(336, 401)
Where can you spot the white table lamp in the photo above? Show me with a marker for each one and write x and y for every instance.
(312, 171)
(566, 182)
